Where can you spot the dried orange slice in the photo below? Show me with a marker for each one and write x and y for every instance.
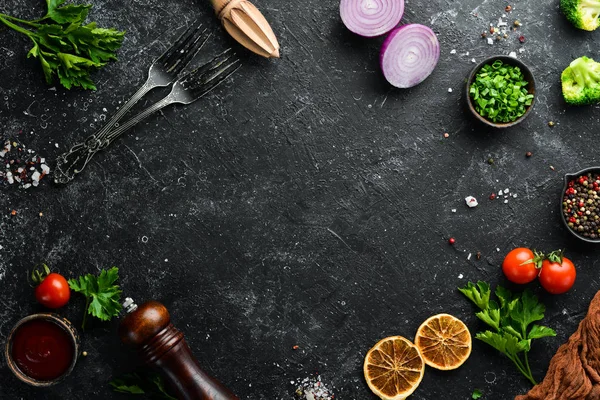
(393, 368)
(444, 342)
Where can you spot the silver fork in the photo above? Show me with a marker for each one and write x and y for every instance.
(186, 90)
(163, 71)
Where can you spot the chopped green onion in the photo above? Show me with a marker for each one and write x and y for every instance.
(499, 92)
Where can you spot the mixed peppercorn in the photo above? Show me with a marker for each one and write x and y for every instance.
(21, 166)
(581, 205)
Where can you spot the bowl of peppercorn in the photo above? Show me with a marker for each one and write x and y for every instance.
(500, 91)
(580, 204)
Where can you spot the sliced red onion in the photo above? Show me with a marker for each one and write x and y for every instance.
(371, 17)
(409, 55)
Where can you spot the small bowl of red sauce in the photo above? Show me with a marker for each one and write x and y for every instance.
(41, 350)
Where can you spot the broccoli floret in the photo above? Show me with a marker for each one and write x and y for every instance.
(584, 14)
(581, 82)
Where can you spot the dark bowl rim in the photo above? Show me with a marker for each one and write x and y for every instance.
(531, 89)
(66, 325)
(567, 177)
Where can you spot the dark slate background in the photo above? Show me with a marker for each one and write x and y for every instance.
(306, 202)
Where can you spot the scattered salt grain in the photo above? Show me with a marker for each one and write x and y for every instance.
(460, 276)
(500, 192)
(449, 90)
(454, 210)
(506, 190)
(512, 54)
(505, 201)
(471, 201)
(515, 195)
(473, 60)
(453, 51)
(469, 256)
(521, 50)
(312, 388)
(490, 41)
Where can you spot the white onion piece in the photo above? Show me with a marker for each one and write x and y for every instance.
(371, 17)
(409, 55)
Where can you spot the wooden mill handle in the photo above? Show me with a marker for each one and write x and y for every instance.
(161, 346)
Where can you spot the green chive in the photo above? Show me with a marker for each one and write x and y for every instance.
(499, 92)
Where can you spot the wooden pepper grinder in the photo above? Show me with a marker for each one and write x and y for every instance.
(160, 345)
(248, 26)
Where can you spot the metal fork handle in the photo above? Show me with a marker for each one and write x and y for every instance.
(75, 160)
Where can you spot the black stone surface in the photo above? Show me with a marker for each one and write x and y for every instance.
(306, 202)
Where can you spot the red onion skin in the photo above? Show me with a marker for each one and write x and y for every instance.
(388, 42)
(347, 11)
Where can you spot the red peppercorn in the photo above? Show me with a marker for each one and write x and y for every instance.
(522, 39)
(579, 213)
(572, 219)
(451, 240)
(492, 196)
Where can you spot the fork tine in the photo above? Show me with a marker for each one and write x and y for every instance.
(180, 40)
(211, 74)
(186, 54)
(173, 53)
(212, 64)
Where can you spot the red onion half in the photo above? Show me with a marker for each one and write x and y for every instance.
(371, 17)
(409, 55)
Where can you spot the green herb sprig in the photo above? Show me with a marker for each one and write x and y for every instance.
(499, 92)
(102, 294)
(511, 321)
(141, 383)
(65, 47)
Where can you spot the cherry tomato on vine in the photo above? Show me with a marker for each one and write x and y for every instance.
(521, 265)
(558, 273)
(53, 289)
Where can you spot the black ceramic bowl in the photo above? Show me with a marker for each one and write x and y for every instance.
(568, 177)
(63, 324)
(530, 88)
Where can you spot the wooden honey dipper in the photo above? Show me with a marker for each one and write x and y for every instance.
(160, 345)
(248, 26)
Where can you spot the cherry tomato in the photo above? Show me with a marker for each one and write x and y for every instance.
(53, 292)
(558, 275)
(517, 269)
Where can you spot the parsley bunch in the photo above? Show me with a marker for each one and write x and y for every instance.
(511, 322)
(65, 47)
(102, 294)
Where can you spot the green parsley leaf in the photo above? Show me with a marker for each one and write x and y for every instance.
(511, 320)
(67, 14)
(476, 394)
(480, 294)
(67, 48)
(142, 382)
(102, 295)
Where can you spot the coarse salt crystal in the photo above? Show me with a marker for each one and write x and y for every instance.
(460, 276)
(36, 176)
(452, 51)
(471, 201)
(473, 60)
(454, 210)
(512, 54)
(515, 195)
(449, 90)
(521, 50)
(45, 169)
(505, 201)
(469, 256)
(500, 192)
(498, 249)
(490, 41)
(506, 190)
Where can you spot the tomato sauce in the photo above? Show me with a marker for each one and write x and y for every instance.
(42, 349)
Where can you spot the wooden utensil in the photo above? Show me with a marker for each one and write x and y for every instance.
(160, 345)
(248, 26)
